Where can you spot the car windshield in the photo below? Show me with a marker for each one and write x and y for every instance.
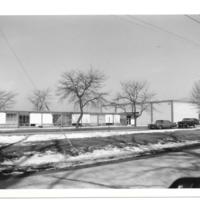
(187, 119)
(159, 121)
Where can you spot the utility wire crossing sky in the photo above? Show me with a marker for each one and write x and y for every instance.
(36, 50)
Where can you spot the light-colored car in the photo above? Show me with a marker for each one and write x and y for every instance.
(162, 124)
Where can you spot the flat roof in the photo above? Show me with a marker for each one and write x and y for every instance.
(57, 112)
(155, 101)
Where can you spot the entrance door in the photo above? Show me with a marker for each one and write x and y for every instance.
(128, 120)
(24, 120)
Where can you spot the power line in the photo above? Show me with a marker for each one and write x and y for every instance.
(193, 19)
(17, 58)
(130, 21)
(167, 31)
(155, 27)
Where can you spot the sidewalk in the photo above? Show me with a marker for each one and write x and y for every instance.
(68, 129)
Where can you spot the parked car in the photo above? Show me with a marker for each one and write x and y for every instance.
(188, 122)
(161, 124)
(196, 121)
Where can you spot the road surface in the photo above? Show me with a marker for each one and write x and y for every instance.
(154, 172)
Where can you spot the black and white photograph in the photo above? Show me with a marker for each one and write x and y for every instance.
(100, 101)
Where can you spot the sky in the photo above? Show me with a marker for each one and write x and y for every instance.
(161, 49)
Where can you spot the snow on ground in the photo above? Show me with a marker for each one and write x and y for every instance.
(56, 128)
(106, 153)
(9, 139)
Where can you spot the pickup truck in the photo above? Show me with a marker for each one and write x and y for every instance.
(188, 122)
(161, 124)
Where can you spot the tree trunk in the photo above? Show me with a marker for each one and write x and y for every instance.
(81, 114)
(135, 118)
(135, 121)
(79, 119)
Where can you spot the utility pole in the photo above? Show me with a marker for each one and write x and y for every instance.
(151, 104)
(172, 111)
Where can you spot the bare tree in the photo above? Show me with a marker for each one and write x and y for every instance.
(7, 99)
(82, 89)
(195, 94)
(136, 94)
(41, 99)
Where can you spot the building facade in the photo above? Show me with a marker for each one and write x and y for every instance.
(172, 110)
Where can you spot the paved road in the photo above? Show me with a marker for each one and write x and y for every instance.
(156, 172)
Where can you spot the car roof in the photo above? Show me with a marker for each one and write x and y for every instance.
(189, 118)
(162, 120)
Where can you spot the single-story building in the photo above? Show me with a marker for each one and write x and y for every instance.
(15, 119)
(173, 110)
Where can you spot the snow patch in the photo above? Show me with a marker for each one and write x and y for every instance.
(9, 139)
(106, 153)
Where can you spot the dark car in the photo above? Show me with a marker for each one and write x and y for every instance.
(196, 121)
(186, 182)
(161, 124)
(188, 122)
